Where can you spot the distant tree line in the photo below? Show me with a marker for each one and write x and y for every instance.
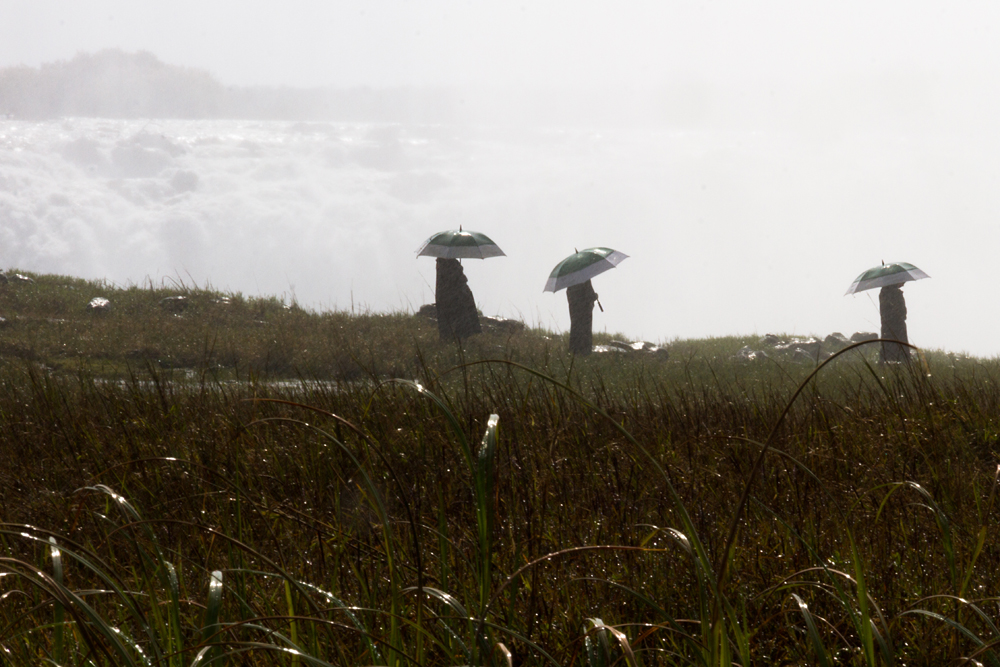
(116, 84)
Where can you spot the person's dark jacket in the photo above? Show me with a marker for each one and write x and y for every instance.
(892, 308)
(456, 307)
(581, 317)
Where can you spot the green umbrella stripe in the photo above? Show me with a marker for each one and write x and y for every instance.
(460, 244)
(887, 270)
(582, 266)
(577, 262)
(460, 239)
(887, 274)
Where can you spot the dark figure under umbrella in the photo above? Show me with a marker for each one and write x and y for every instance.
(456, 307)
(574, 274)
(892, 308)
(581, 317)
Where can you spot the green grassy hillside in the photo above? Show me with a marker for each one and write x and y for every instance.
(245, 482)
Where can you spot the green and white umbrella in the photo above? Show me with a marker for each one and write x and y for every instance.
(460, 245)
(887, 274)
(582, 266)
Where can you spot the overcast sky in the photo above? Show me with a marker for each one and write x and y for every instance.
(537, 43)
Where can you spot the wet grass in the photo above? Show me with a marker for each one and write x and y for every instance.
(504, 503)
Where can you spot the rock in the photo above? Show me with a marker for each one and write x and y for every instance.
(862, 336)
(428, 310)
(836, 341)
(18, 278)
(99, 305)
(809, 345)
(771, 339)
(642, 346)
(4, 322)
(222, 301)
(502, 325)
(747, 353)
(174, 304)
(649, 348)
(801, 356)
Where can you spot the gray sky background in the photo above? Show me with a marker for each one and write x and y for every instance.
(805, 141)
(565, 42)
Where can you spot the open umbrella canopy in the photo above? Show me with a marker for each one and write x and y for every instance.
(582, 266)
(460, 245)
(887, 274)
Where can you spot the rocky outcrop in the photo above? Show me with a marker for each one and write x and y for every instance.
(639, 347)
(502, 325)
(99, 305)
(801, 350)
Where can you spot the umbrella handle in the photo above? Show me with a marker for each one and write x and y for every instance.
(599, 305)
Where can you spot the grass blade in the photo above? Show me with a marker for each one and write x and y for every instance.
(58, 647)
(814, 638)
(213, 607)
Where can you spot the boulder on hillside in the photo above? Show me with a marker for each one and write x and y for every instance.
(601, 349)
(800, 350)
(502, 325)
(800, 356)
(808, 345)
(771, 339)
(836, 341)
(642, 346)
(99, 305)
(747, 353)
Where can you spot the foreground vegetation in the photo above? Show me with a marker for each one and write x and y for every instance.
(237, 481)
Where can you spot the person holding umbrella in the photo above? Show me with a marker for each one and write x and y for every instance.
(574, 273)
(581, 317)
(457, 316)
(892, 306)
(892, 309)
(456, 307)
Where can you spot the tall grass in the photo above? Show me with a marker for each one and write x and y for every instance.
(508, 504)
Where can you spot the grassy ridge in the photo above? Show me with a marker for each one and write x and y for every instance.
(596, 521)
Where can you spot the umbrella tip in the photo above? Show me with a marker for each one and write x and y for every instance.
(883, 262)
(575, 250)
(460, 229)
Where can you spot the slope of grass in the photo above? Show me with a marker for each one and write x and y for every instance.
(618, 508)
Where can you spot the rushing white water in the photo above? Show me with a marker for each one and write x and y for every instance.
(728, 232)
